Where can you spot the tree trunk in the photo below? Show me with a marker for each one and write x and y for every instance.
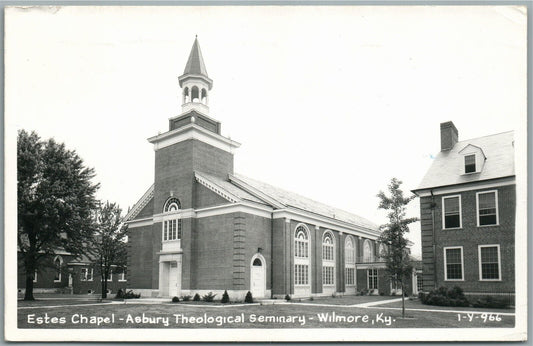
(28, 295)
(403, 299)
(104, 287)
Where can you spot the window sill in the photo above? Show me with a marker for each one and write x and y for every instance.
(454, 279)
(453, 229)
(482, 226)
(490, 280)
(122, 280)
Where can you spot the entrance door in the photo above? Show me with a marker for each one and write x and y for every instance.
(257, 277)
(173, 280)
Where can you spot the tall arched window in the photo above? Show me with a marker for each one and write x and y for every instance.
(349, 261)
(368, 252)
(171, 223)
(301, 256)
(58, 262)
(328, 259)
(186, 96)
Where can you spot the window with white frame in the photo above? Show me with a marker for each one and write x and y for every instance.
(349, 261)
(487, 208)
(372, 279)
(489, 262)
(368, 251)
(172, 225)
(35, 276)
(451, 212)
(419, 281)
(301, 256)
(453, 263)
(122, 275)
(58, 262)
(86, 274)
(328, 259)
(470, 163)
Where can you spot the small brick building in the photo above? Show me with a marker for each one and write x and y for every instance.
(467, 213)
(65, 273)
(201, 227)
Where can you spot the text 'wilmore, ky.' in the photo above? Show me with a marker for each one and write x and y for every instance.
(205, 319)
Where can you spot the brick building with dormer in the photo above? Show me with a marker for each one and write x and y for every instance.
(467, 214)
(202, 227)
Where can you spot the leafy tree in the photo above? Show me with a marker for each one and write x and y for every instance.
(108, 245)
(55, 202)
(399, 265)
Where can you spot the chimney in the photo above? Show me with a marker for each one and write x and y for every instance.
(448, 135)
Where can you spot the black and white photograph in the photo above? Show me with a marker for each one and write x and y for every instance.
(265, 173)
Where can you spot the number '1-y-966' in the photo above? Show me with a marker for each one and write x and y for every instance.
(469, 317)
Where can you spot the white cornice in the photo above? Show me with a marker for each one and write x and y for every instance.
(193, 131)
(216, 188)
(325, 222)
(465, 187)
(243, 207)
(136, 209)
(140, 222)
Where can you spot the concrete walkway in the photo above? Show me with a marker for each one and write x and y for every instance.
(378, 302)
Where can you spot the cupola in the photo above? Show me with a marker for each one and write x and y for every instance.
(195, 83)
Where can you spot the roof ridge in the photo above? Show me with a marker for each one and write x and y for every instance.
(494, 134)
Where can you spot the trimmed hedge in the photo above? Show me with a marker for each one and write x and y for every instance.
(445, 297)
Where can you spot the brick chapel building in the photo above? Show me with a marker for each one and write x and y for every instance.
(202, 227)
(467, 214)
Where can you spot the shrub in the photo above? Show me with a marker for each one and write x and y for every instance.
(364, 291)
(311, 299)
(130, 295)
(209, 297)
(225, 297)
(175, 300)
(287, 297)
(491, 302)
(445, 297)
(186, 298)
(120, 294)
(381, 293)
(249, 298)
(196, 297)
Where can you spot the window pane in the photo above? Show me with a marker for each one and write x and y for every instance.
(470, 163)
(452, 216)
(453, 264)
(487, 208)
(451, 205)
(452, 221)
(489, 263)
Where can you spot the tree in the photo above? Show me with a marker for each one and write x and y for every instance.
(55, 202)
(397, 258)
(108, 245)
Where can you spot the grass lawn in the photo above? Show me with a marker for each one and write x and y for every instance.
(345, 300)
(417, 304)
(130, 315)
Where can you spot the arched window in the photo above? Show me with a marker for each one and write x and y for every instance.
(171, 223)
(349, 261)
(58, 262)
(368, 252)
(301, 256)
(204, 96)
(195, 94)
(328, 259)
(186, 95)
(257, 262)
(382, 252)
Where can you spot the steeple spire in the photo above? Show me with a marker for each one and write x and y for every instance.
(195, 64)
(195, 82)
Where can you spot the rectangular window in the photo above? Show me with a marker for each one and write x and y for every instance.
(453, 263)
(372, 275)
(419, 281)
(122, 275)
(301, 248)
(349, 275)
(489, 262)
(327, 252)
(328, 275)
(301, 274)
(470, 163)
(86, 274)
(487, 207)
(109, 276)
(172, 229)
(451, 212)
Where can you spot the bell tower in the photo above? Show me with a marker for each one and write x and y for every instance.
(195, 83)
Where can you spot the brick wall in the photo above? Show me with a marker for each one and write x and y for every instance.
(140, 257)
(469, 236)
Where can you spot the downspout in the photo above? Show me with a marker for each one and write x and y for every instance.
(432, 206)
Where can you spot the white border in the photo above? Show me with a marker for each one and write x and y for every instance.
(444, 212)
(497, 208)
(499, 262)
(462, 264)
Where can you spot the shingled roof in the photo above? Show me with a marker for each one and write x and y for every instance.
(290, 199)
(447, 166)
(195, 64)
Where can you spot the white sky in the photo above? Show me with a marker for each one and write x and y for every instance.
(329, 102)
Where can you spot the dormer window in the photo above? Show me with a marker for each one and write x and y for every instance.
(470, 163)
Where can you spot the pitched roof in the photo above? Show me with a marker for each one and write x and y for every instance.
(225, 187)
(447, 166)
(195, 64)
(141, 203)
(293, 200)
